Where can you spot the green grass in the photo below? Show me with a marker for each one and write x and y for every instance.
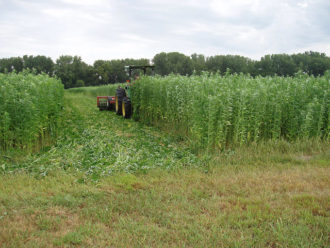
(110, 182)
(227, 207)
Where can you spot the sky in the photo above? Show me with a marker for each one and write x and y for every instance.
(114, 29)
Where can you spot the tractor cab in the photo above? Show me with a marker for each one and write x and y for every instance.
(122, 101)
(130, 68)
(133, 73)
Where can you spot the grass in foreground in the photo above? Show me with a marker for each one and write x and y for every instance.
(227, 207)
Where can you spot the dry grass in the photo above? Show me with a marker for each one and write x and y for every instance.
(226, 207)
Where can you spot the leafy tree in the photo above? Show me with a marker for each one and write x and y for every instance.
(71, 69)
(90, 77)
(313, 63)
(11, 64)
(39, 63)
(277, 64)
(161, 64)
(198, 63)
(235, 63)
(64, 70)
(173, 62)
(74, 72)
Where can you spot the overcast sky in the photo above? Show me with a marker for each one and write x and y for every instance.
(113, 29)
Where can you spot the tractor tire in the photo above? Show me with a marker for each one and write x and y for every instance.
(126, 108)
(110, 106)
(120, 94)
(118, 106)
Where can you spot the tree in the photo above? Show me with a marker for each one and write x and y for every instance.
(174, 62)
(283, 65)
(71, 69)
(39, 63)
(74, 72)
(235, 63)
(64, 70)
(161, 64)
(198, 63)
(313, 63)
(11, 64)
(264, 67)
(277, 64)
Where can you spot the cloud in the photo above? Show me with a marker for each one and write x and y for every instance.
(110, 29)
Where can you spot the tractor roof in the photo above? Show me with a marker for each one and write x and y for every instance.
(131, 67)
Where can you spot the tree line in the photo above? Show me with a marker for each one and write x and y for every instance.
(76, 73)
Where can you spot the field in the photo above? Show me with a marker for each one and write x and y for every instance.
(107, 181)
(30, 110)
(217, 112)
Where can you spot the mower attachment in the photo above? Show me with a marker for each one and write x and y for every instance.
(106, 102)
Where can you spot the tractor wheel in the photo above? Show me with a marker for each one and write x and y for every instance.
(118, 106)
(120, 94)
(110, 106)
(126, 108)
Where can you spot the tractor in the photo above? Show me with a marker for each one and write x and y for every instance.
(121, 102)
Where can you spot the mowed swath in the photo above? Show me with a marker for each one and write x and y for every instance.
(30, 108)
(216, 111)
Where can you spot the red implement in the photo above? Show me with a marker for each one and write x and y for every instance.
(106, 102)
